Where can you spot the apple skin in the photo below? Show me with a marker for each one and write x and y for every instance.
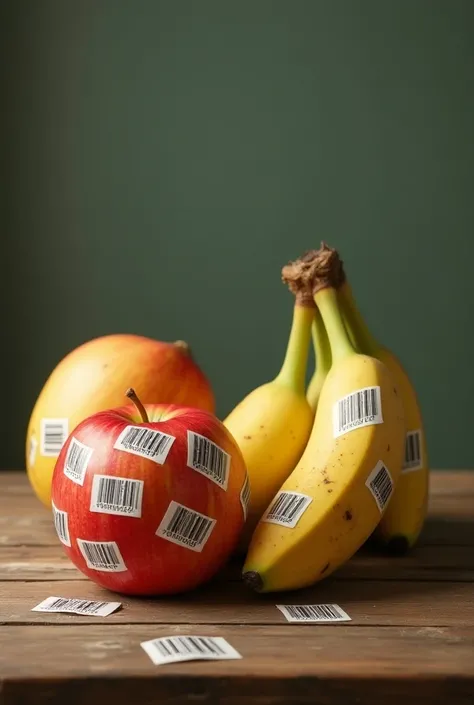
(92, 378)
(155, 566)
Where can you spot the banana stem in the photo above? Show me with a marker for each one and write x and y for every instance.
(355, 324)
(293, 370)
(326, 300)
(323, 360)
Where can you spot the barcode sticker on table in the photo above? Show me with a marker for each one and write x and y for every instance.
(74, 606)
(361, 408)
(102, 555)
(209, 459)
(61, 525)
(287, 509)
(53, 435)
(145, 442)
(77, 460)
(32, 451)
(245, 495)
(314, 613)
(173, 649)
(185, 527)
(413, 454)
(380, 483)
(117, 495)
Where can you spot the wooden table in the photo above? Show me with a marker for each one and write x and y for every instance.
(411, 638)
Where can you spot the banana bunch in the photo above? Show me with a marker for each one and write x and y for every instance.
(359, 469)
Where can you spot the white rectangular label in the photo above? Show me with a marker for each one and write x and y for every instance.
(145, 442)
(185, 527)
(245, 495)
(314, 613)
(61, 525)
(209, 459)
(102, 555)
(32, 450)
(413, 454)
(173, 649)
(53, 435)
(77, 460)
(380, 483)
(287, 509)
(117, 495)
(74, 606)
(361, 408)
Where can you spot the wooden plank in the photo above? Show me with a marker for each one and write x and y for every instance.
(385, 603)
(323, 665)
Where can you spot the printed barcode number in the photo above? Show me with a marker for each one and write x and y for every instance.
(145, 442)
(185, 527)
(207, 458)
(245, 495)
(380, 484)
(117, 495)
(102, 555)
(61, 525)
(361, 408)
(413, 459)
(172, 649)
(287, 508)
(53, 435)
(77, 460)
(88, 607)
(314, 613)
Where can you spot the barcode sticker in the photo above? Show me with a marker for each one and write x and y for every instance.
(173, 649)
(287, 508)
(53, 435)
(102, 555)
(413, 454)
(207, 458)
(32, 451)
(61, 525)
(117, 495)
(380, 483)
(77, 460)
(185, 527)
(74, 606)
(245, 495)
(145, 442)
(314, 613)
(361, 408)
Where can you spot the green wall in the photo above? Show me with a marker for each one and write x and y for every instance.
(162, 160)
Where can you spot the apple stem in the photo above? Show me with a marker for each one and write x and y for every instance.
(130, 393)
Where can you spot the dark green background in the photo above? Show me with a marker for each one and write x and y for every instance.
(162, 160)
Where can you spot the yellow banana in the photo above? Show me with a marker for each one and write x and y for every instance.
(272, 423)
(404, 519)
(322, 351)
(333, 500)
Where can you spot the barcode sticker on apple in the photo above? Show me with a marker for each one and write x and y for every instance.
(245, 495)
(33, 447)
(117, 495)
(381, 485)
(174, 649)
(314, 613)
(209, 459)
(287, 509)
(361, 408)
(413, 454)
(75, 606)
(185, 527)
(53, 435)
(145, 442)
(102, 555)
(77, 460)
(61, 525)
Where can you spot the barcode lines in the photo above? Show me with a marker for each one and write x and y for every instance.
(186, 527)
(146, 442)
(287, 508)
(360, 408)
(206, 457)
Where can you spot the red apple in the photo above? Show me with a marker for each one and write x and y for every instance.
(149, 500)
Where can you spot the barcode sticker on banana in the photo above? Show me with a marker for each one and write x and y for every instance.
(380, 483)
(361, 408)
(413, 453)
(287, 509)
(117, 495)
(174, 649)
(75, 606)
(102, 555)
(53, 435)
(314, 613)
